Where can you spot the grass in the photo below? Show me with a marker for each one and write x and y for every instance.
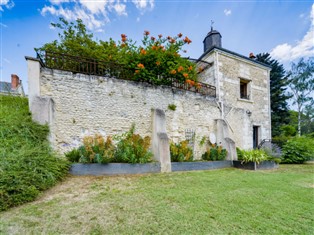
(227, 201)
(27, 163)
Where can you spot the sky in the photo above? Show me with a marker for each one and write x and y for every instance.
(283, 28)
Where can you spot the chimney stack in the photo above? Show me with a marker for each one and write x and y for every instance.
(252, 56)
(15, 81)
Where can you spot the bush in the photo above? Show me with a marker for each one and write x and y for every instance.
(181, 152)
(298, 150)
(156, 60)
(96, 150)
(132, 148)
(253, 155)
(273, 151)
(215, 153)
(27, 163)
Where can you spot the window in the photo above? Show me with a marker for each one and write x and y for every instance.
(244, 89)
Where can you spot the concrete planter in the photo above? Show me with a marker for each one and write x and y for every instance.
(113, 168)
(264, 165)
(195, 166)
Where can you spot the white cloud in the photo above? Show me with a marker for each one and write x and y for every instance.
(3, 25)
(303, 48)
(7, 3)
(144, 4)
(227, 12)
(120, 9)
(58, 2)
(94, 13)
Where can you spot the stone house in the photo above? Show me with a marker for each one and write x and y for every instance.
(15, 87)
(242, 83)
(237, 115)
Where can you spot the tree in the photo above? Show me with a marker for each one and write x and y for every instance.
(302, 86)
(156, 61)
(278, 95)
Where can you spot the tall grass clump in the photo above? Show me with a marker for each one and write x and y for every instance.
(27, 163)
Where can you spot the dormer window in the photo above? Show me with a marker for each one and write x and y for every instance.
(244, 89)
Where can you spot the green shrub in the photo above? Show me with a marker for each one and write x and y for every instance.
(96, 150)
(172, 107)
(181, 152)
(253, 155)
(214, 153)
(73, 155)
(298, 150)
(280, 140)
(27, 163)
(132, 148)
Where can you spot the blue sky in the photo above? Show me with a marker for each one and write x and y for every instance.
(283, 28)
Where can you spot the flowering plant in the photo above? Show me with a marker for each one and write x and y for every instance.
(156, 61)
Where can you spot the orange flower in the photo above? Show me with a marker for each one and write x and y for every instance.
(187, 40)
(173, 72)
(137, 71)
(190, 82)
(146, 33)
(168, 37)
(180, 35)
(157, 63)
(198, 86)
(141, 66)
(123, 36)
(186, 75)
(200, 69)
(180, 68)
(143, 52)
(160, 35)
(190, 68)
(172, 40)
(153, 38)
(154, 48)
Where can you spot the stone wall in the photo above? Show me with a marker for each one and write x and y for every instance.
(85, 105)
(76, 105)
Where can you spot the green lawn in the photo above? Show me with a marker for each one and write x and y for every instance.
(227, 201)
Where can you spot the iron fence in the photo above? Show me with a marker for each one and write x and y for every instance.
(91, 66)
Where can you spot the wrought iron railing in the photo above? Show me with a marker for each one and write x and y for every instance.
(90, 66)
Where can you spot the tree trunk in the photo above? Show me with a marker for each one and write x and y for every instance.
(299, 120)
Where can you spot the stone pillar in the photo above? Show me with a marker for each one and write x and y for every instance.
(33, 74)
(224, 139)
(231, 148)
(42, 110)
(160, 140)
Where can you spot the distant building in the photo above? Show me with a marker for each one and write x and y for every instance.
(13, 88)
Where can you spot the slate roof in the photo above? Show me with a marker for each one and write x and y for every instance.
(5, 87)
(233, 53)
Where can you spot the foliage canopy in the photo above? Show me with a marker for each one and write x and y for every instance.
(156, 59)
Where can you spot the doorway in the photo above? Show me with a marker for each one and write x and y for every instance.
(255, 136)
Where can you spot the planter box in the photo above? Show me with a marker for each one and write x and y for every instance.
(113, 168)
(196, 166)
(264, 165)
